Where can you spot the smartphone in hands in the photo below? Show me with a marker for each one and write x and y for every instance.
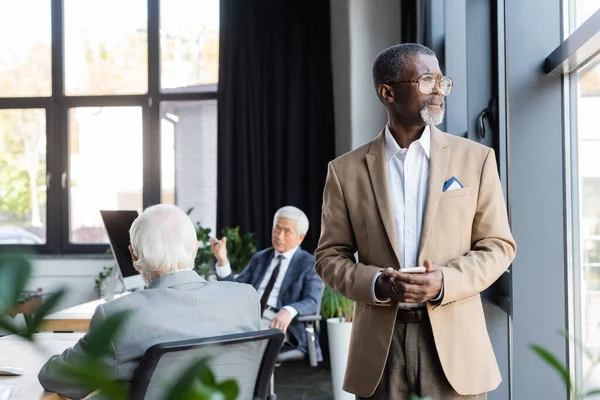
(412, 270)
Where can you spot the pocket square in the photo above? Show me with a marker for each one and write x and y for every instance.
(452, 184)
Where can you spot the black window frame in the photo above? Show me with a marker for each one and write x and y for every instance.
(57, 135)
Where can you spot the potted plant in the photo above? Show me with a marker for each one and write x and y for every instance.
(240, 248)
(106, 281)
(203, 264)
(338, 311)
(102, 280)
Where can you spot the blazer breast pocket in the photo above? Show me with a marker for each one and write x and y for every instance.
(455, 193)
(453, 220)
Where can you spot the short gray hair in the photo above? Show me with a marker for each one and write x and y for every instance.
(391, 62)
(295, 214)
(164, 240)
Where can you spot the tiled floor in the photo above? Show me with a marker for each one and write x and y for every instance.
(298, 381)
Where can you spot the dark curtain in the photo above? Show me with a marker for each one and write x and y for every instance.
(275, 123)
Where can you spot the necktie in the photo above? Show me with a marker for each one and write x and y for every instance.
(270, 284)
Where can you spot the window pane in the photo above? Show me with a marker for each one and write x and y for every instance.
(25, 64)
(189, 40)
(588, 138)
(106, 47)
(583, 10)
(105, 164)
(22, 176)
(189, 158)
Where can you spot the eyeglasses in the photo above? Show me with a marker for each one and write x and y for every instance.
(427, 82)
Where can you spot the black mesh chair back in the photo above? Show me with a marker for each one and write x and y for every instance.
(249, 358)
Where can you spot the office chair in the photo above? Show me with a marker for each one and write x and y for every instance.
(311, 326)
(249, 358)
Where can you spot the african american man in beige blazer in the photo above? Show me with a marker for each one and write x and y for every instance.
(415, 196)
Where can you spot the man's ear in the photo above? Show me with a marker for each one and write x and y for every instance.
(133, 256)
(386, 93)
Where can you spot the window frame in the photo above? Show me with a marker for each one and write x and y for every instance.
(57, 135)
(571, 56)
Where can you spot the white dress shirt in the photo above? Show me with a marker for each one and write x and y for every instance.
(408, 175)
(225, 270)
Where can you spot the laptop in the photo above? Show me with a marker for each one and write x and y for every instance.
(117, 224)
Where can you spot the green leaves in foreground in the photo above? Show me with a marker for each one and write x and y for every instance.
(199, 383)
(555, 363)
(562, 369)
(93, 375)
(15, 271)
(91, 372)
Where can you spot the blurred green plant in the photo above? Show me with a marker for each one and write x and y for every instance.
(102, 275)
(553, 361)
(204, 258)
(334, 305)
(240, 248)
(15, 271)
(197, 383)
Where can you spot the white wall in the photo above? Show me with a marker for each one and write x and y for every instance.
(360, 29)
(77, 275)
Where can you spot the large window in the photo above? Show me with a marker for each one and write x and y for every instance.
(22, 176)
(189, 158)
(584, 136)
(588, 182)
(104, 110)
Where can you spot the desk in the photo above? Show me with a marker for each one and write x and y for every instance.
(17, 352)
(74, 319)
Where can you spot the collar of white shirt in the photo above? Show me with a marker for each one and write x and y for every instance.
(288, 254)
(392, 148)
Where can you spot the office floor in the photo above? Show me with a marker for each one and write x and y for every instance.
(298, 381)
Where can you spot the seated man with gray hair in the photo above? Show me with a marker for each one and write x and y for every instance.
(177, 305)
(284, 277)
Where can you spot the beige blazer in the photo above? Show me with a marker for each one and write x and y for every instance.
(465, 231)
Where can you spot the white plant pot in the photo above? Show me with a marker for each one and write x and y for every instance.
(338, 335)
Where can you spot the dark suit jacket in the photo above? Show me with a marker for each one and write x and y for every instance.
(301, 288)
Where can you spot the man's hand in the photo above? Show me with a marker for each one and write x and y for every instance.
(219, 250)
(418, 288)
(383, 285)
(281, 320)
(409, 288)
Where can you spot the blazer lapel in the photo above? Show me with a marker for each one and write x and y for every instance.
(378, 173)
(263, 265)
(290, 274)
(439, 156)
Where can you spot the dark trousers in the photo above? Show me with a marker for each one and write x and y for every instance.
(413, 367)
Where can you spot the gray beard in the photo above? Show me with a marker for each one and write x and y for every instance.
(431, 118)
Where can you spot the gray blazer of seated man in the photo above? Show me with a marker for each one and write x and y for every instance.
(178, 304)
(284, 277)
